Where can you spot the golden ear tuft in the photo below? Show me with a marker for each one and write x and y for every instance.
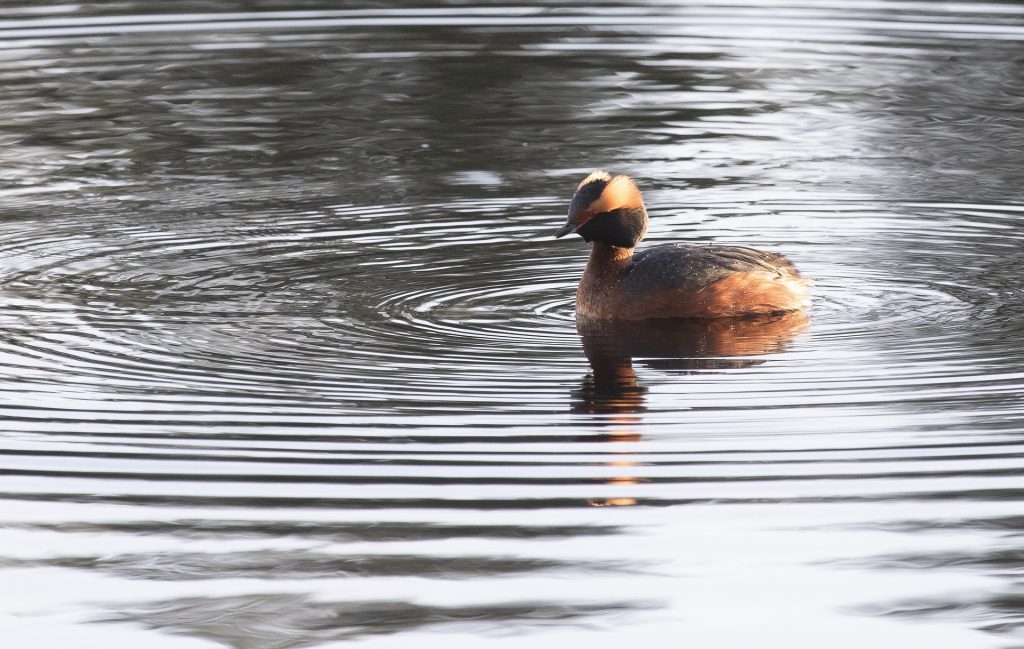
(600, 174)
(620, 192)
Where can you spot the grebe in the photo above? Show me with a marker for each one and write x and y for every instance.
(674, 280)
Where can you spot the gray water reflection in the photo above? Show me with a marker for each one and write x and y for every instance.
(288, 357)
(301, 622)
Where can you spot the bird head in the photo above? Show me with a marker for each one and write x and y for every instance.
(607, 208)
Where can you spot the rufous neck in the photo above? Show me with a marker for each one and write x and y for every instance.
(607, 256)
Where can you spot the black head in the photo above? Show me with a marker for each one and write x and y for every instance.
(608, 209)
(624, 227)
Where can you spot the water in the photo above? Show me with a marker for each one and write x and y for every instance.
(289, 356)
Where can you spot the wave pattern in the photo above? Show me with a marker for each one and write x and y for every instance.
(289, 355)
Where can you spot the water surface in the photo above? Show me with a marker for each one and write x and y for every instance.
(288, 354)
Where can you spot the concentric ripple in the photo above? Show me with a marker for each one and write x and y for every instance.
(163, 306)
(288, 354)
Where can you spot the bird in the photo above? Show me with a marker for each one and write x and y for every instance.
(675, 280)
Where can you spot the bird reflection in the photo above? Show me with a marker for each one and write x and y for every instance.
(612, 387)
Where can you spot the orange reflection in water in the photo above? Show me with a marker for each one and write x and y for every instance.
(612, 387)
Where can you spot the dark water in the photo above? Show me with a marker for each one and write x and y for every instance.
(288, 355)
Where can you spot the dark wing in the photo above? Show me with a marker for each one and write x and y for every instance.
(692, 267)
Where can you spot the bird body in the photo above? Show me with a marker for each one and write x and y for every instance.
(672, 280)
